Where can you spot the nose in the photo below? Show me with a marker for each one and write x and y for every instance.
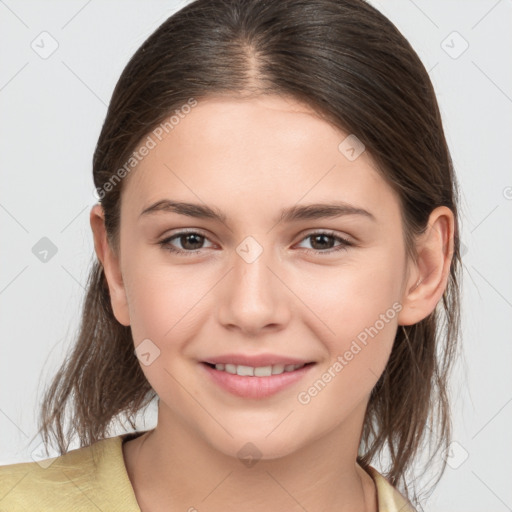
(253, 297)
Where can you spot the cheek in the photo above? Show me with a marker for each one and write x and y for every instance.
(163, 302)
(363, 325)
(357, 308)
(164, 308)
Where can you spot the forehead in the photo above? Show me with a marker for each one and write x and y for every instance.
(269, 150)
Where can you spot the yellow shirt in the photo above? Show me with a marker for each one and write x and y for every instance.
(94, 478)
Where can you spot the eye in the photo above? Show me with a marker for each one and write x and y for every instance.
(320, 239)
(189, 240)
(192, 241)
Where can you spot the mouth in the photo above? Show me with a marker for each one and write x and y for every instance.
(251, 382)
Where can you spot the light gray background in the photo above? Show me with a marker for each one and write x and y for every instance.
(51, 112)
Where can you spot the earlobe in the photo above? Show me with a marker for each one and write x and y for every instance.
(428, 280)
(111, 267)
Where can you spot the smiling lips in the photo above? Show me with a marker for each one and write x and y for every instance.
(273, 373)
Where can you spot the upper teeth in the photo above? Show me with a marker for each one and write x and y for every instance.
(260, 371)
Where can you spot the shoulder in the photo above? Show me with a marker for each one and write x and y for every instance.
(388, 497)
(88, 478)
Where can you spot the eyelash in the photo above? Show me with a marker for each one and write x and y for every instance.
(165, 244)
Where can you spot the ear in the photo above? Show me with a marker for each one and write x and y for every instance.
(111, 267)
(428, 276)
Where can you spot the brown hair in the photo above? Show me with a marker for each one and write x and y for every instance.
(353, 67)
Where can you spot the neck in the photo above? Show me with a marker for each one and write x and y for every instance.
(171, 466)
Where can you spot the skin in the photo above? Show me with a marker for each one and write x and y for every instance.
(249, 158)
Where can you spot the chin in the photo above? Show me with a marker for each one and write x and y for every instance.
(249, 449)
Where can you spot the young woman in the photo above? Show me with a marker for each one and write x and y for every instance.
(278, 262)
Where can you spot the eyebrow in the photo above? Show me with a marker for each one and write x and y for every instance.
(290, 214)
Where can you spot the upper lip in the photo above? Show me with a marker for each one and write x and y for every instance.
(255, 360)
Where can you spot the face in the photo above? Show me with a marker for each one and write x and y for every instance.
(311, 288)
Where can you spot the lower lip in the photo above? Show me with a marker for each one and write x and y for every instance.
(255, 387)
